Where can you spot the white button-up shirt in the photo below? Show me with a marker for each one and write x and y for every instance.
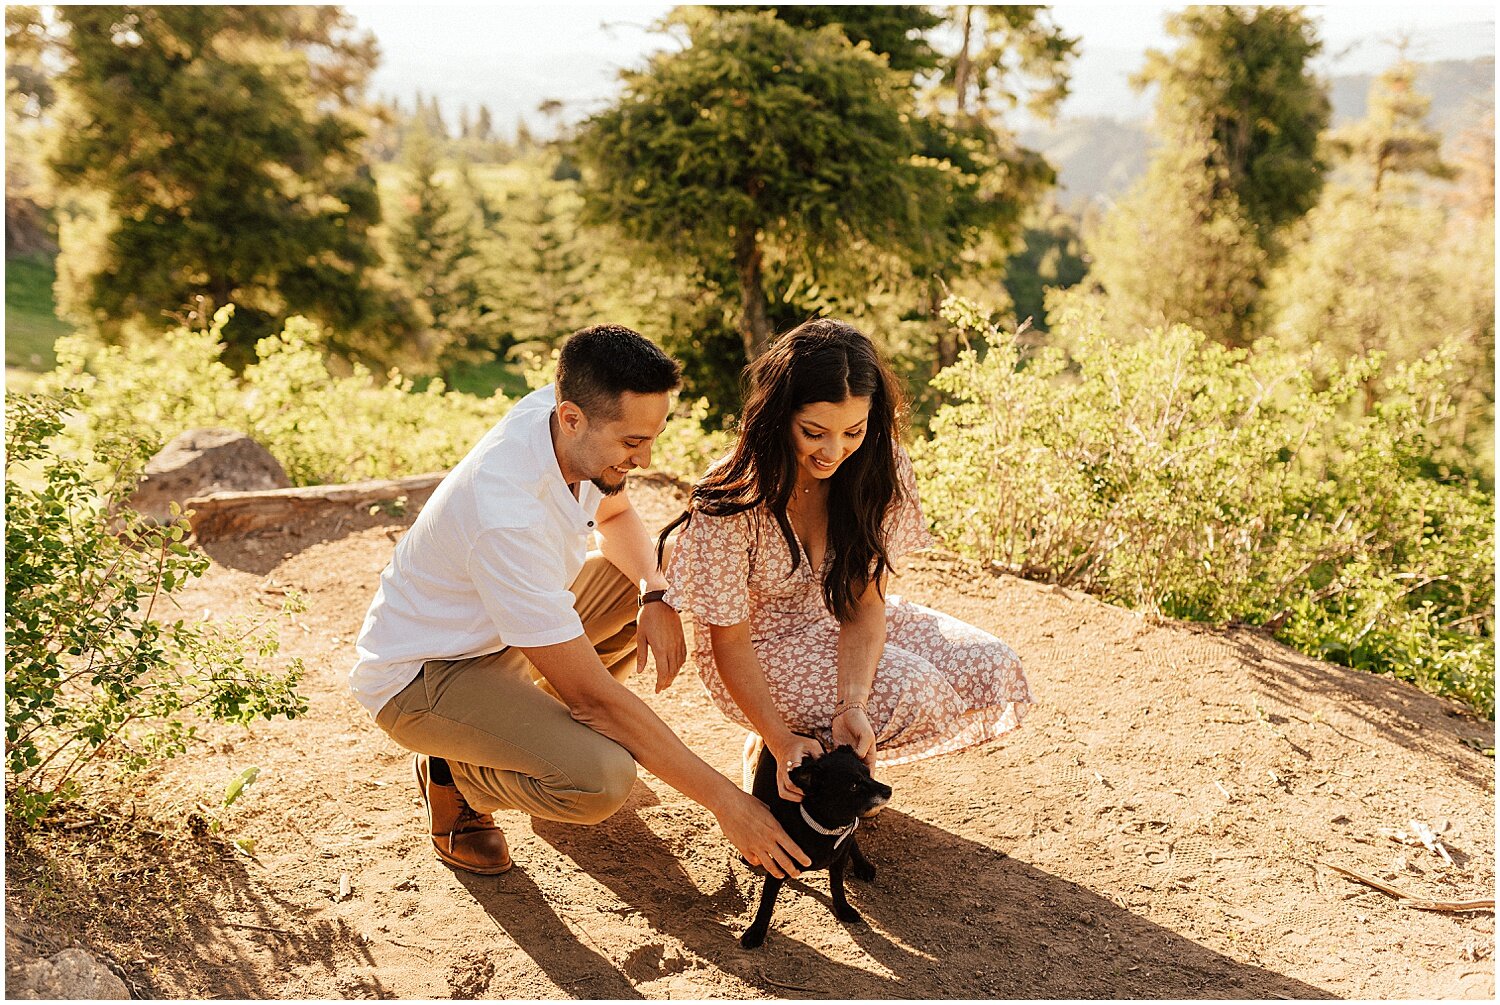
(488, 562)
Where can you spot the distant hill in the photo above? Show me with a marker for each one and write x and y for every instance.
(1097, 158)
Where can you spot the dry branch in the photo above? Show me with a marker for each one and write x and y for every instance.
(1408, 900)
(234, 514)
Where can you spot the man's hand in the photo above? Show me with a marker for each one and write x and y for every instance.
(659, 629)
(751, 828)
(853, 728)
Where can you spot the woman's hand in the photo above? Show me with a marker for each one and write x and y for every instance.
(853, 727)
(789, 754)
(751, 828)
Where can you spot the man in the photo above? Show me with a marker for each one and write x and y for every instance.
(495, 640)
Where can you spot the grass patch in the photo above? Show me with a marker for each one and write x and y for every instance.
(483, 380)
(31, 322)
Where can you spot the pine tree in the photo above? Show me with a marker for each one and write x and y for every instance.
(1241, 80)
(1380, 266)
(437, 245)
(759, 139)
(1238, 113)
(214, 152)
(1393, 139)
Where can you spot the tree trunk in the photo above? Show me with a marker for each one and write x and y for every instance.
(947, 336)
(961, 64)
(755, 322)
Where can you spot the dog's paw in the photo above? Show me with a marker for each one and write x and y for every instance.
(752, 939)
(848, 915)
(862, 871)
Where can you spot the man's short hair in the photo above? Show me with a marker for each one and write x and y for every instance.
(601, 362)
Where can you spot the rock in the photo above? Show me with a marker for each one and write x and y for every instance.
(201, 461)
(70, 974)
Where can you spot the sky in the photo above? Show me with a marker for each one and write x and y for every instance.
(514, 56)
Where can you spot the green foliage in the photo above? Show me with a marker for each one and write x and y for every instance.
(1008, 55)
(1393, 138)
(1241, 79)
(1172, 251)
(29, 96)
(896, 31)
(1237, 115)
(1051, 257)
(1377, 268)
(686, 447)
(1206, 483)
(757, 138)
(437, 240)
(31, 323)
(214, 152)
(96, 670)
(321, 427)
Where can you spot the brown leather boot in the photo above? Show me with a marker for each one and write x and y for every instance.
(462, 837)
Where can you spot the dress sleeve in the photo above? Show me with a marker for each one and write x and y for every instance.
(709, 573)
(905, 526)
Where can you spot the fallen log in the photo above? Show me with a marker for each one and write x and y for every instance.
(235, 514)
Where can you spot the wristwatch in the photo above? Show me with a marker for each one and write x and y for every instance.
(650, 597)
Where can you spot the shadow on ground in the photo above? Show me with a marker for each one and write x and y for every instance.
(981, 926)
(146, 894)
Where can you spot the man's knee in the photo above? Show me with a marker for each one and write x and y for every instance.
(613, 778)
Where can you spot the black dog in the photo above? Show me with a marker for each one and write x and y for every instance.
(836, 788)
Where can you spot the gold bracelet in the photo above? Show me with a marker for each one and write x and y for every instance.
(848, 706)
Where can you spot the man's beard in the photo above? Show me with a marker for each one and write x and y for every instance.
(606, 488)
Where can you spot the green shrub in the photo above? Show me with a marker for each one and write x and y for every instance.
(320, 426)
(1177, 476)
(687, 447)
(98, 670)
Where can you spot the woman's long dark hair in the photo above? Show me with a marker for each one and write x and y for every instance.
(821, 360)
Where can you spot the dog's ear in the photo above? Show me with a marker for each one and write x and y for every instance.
(802, 774)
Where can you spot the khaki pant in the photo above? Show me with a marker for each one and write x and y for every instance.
(511, 744)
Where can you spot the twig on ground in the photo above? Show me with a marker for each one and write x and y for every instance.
(259, 928)
(1411, 901)
(1322, 721)
(790, 987)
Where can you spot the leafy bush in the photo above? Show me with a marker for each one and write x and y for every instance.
(321, 427)
(93, 665)
(1177, 476)
(687, 446)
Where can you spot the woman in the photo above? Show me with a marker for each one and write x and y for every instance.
(782, 562)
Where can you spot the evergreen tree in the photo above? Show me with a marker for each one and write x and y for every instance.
(437, 246)
(896, 31)
(214, 152)
(758, 139)
(1393, 138)
(1238, 114)
(1380, 266)
(969, 209)
(548, 274)
(1240, 79)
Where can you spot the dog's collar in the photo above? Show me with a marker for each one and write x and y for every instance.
(838, 833)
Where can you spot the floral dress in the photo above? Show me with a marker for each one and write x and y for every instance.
(941, 684)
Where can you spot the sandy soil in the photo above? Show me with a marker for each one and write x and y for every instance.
(1155, 830)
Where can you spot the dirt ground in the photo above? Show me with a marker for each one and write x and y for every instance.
(1155, 830)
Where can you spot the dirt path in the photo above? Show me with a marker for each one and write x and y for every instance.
(1153, 831)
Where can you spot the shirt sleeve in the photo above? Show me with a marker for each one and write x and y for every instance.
(709, 574)
(905, 526)
(518, 588)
